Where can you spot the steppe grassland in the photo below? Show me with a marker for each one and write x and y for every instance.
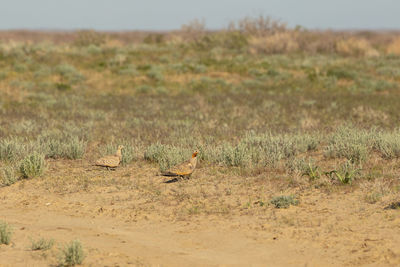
(281, 117)
(321, 104)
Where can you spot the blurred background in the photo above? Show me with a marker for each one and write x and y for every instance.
(169, 15)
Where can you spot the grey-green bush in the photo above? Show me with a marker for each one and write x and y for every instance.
(5, 233)
(388, 144)
(32, 165)
(42, 244)
(68, 147)
(11, 149)
(350, 143)
(72, 254)
(346, 173)
(165, 155)
(8, 175)
(283, 202)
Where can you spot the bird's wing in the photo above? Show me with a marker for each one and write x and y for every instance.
(108, 161)
(185, 168)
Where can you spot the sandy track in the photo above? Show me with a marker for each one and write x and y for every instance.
(121, 229)
(148, 243)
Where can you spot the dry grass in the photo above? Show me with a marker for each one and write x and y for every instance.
(356, 47)
(270, 109)
(277, 43)
(394, 47)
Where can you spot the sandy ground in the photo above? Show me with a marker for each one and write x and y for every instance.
(129, 217)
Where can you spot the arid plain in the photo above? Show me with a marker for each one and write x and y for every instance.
(297, 133)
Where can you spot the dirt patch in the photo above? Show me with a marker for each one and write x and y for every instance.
(130, 217)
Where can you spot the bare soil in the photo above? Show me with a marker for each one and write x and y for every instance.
(130, 217)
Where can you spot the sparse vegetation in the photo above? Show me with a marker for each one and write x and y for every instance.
(270, 109)
(5, 233)
(42, 244)
(72, 254)
(346, 173)
(11, 149)
(311, 170)
(32, 165)
(350, 143)
(388, 144)
(283, 202)
(69, 148)
(8, 175)
(258, 111)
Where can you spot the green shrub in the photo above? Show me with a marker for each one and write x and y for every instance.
(74, 148)
(72, 254)
(341, 73)
(68, 147)
(42, 244)
(388, 144)
(283, 202)
(268, 149)
(154, 152)
(144, 88)
(350, 143)
(295, 165)
(68, 74)
(304, 167)
(11, 149)
(238, 156)
(8, 175)
(128, 70)
(346, 173)
(165, 155)
(32, 165)
(155, 73)
(5, 233)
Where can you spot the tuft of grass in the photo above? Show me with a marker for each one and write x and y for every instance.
(74, 148)
(165, 155)
(68, 74)
(373, 197)
(42, 244)
(283, 202)
(341, 73)
(355, 47)
(388, 144)
(69, 148)
(72, 254)
(238, 156)
(311, 170)
(155, 73)
(346, 173)
(11, 149)
(350, 143)
(32, 165)
(8, 175)
(5, 233)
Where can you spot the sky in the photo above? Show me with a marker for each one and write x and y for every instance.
(121, 15)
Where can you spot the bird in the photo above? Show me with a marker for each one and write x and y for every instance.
(183, 170)
(111, 161)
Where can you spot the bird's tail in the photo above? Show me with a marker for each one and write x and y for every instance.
(170, 174)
